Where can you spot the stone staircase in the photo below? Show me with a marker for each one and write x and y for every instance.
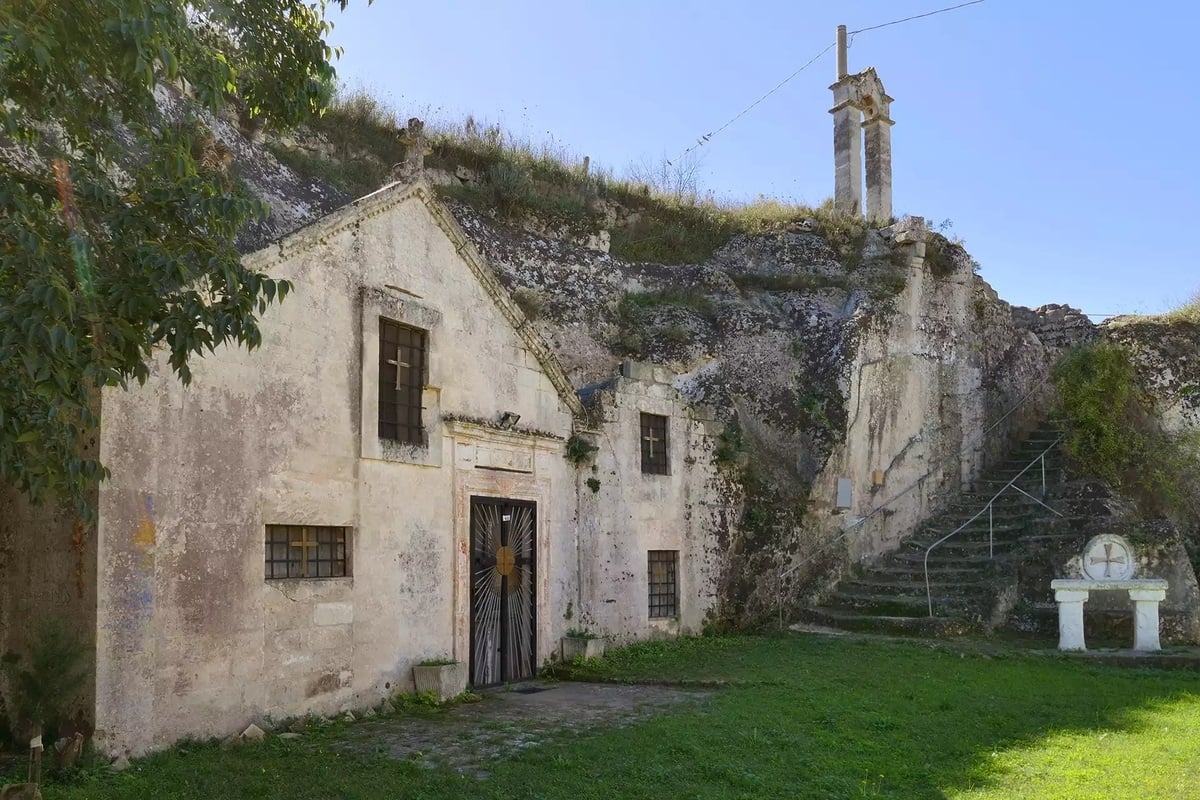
(973, 584)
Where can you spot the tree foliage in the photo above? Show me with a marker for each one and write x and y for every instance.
(117, 225)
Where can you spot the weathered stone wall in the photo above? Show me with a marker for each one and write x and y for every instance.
(1167, 357)
(47, 573)
(192, 640)
(623, 512)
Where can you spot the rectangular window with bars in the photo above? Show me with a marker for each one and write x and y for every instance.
(307, 551)
(401, 382)
(654, 445)
(664, 584)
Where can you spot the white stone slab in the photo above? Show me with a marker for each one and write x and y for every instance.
(1083, 584)
(333, 614)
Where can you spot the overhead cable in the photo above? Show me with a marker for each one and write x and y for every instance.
(703, 140)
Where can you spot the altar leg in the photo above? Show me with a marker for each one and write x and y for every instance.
(1145, 618)
(1070, 618)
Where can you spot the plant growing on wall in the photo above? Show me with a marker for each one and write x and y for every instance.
(579, 450)
(1112, 431)
(43, 686)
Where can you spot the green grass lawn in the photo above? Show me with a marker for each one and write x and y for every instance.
(799, 717)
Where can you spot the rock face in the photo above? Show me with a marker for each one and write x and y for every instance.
(1167, 357)
(1057, 325)
(294, 200)
(901, 382)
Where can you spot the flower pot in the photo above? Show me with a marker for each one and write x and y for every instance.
(572, 647)
(446, 681)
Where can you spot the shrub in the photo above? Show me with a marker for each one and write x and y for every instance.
(511, 187)
(1112, 432)
(44, 685)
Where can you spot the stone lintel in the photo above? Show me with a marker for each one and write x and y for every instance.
(879, 118)
(1084, 585)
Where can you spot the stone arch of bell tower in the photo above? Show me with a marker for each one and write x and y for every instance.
(862, 124)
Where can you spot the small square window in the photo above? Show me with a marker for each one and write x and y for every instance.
(306, 551)
(402, 352)
(664, 586)
(654, 445)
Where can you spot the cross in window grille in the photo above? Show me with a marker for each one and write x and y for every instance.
(401, 382)
(305, 551)
(654, 445)
(664, 586)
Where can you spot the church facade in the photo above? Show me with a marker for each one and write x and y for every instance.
(384, 481)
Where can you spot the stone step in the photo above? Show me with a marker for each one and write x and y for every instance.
(897, 605)
(965, 506)
(977, 530)
(996, 521)
(885, 585)
(945, 559)
(916, 572)
(959, 546)
(1016, 460)
(1050, 538)
(945, 626)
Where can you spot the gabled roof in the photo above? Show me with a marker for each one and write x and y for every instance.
(381, 202)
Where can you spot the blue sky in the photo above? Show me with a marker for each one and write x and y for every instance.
(1057, 136)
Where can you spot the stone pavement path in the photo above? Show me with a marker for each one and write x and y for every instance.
(506, 721)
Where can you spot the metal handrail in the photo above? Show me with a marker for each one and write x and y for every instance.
(1041, 457)
(935, 466)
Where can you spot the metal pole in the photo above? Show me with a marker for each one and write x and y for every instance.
(928, 591)
(991, 529)
(779, 597)
(1043, 460)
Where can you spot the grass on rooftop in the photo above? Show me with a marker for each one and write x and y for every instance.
(667, 219)
(790, 718)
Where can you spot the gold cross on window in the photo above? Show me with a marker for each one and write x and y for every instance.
(304, 544)
(399, 365)
(651, 439)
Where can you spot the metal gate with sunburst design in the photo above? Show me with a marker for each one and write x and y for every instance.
(503, 603)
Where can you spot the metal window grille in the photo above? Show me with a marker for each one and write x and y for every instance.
(401, 382)
(306, 551)
(654, 445)
(664, 586)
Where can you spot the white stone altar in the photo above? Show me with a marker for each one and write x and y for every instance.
(1108, 564)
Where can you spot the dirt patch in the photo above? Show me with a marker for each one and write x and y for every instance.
(469, 737)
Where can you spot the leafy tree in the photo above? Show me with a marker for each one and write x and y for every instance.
(117, 225)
